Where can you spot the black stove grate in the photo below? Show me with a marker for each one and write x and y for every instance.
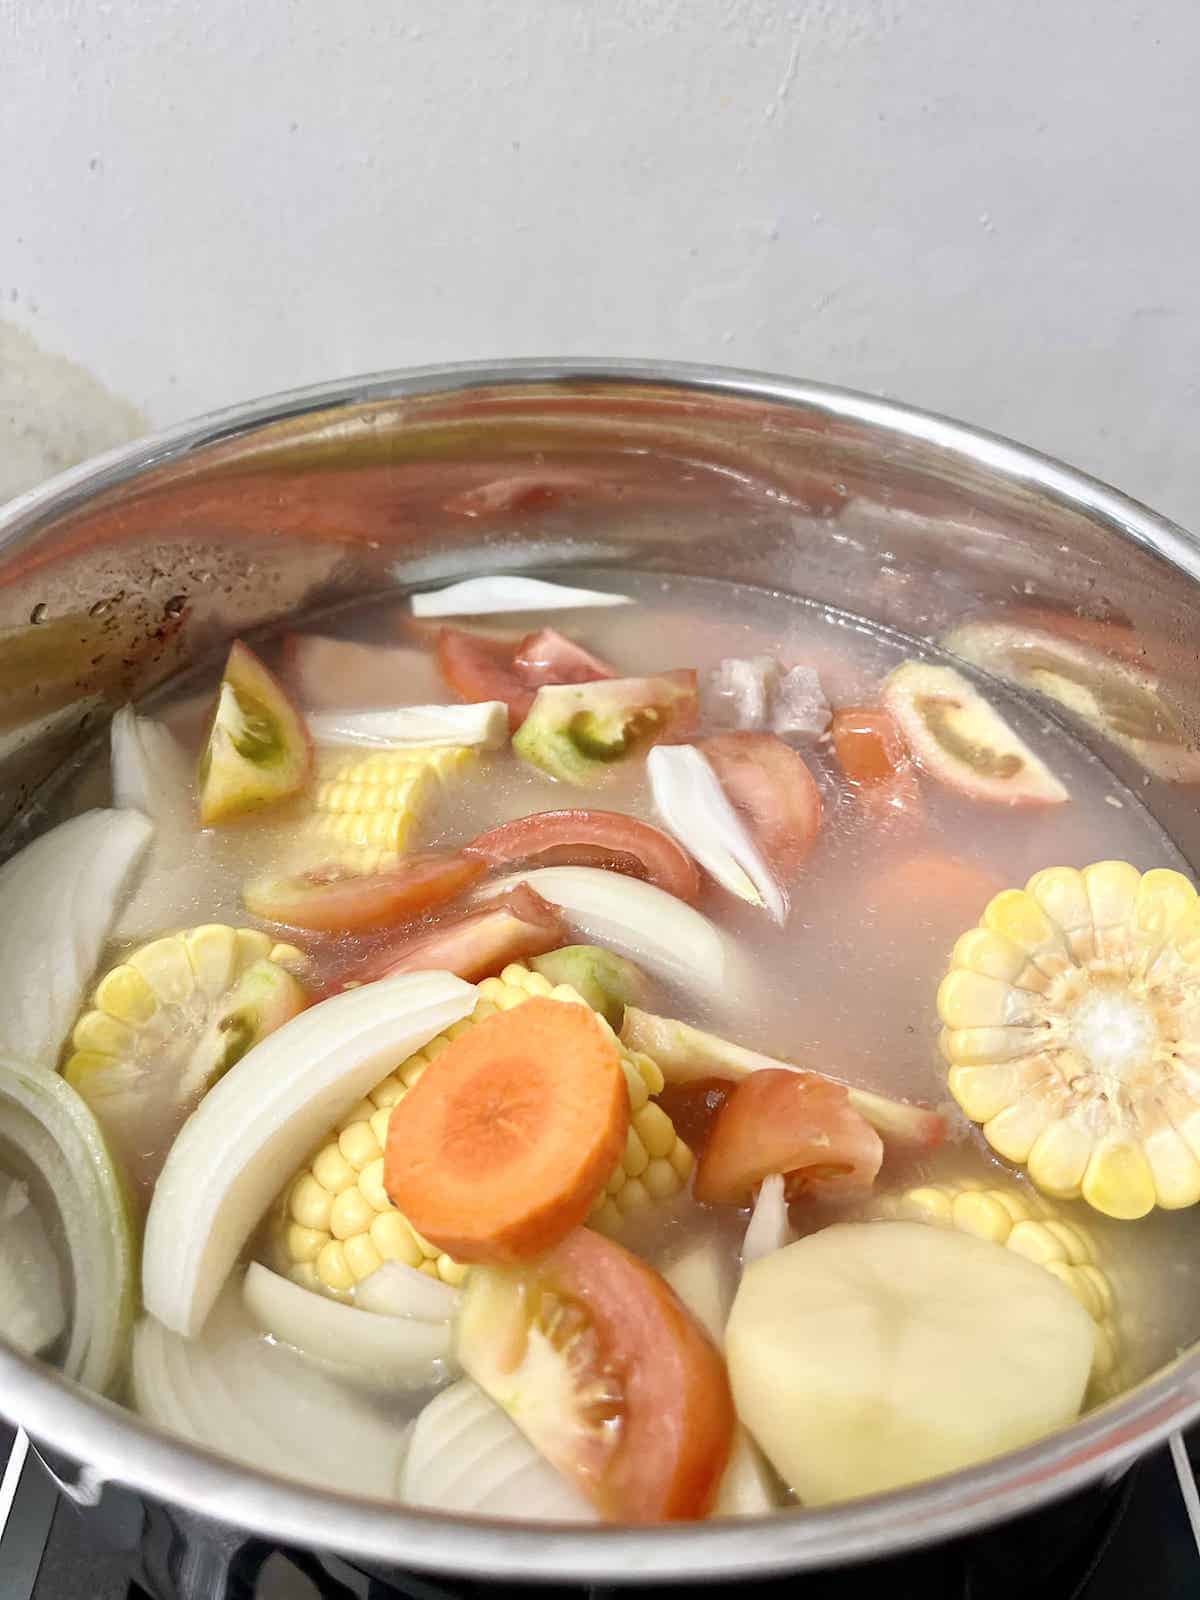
(1134, 1537)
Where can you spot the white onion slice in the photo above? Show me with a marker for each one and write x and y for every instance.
(693, 806)
(235, 1392)
(633, 918)
(479, 597)
(150, 772)
(390, 1352)
(747, 1487)
(769, 1228)
(58, 899)
(32, 1312)
(485, 725)
(398, 1290)
(466, 1455)
(267, 1113)
(55, 1135)
(703, 1281)
(181, 869)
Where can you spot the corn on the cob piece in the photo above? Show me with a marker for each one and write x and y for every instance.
(155, 1000)
(167, 1021)
(1072, 1029)
(1027, 1223)
(366, 807)
(337, 1223)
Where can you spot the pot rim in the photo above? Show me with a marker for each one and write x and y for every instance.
(116, 1446)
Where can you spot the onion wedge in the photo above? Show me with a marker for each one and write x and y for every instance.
(466, 1455)
(58, 899)
(685, 1053)
(58, 1141)
(479, 597)
(397, 1290)
(692, 804)
(392, 1352)
(769, 1228)
(32, 1313)
(264, 1117)
(152, 774)
(484, 725)
(634, 918)
(241, 1395)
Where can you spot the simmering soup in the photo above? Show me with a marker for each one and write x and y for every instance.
(643, 1050)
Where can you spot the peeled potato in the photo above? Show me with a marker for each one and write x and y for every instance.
(872, 1355)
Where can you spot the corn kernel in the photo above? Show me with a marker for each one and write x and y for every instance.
(358, 1144)
(451, 1271)
(351, 1213)
(636, 1159)
(125, 994)
(165, 966)
(212, 952)
(393, 1238)
(97, 1033)
(333, 1268)
(305, 1244)
(252, 945)
(632, 1196)
(310, 1203)
(361, 1256)
(655, 1130)
(332, 1171)
(660, 1179)
(305, 1274)
(378, 1124)
(388, 1092)
(370, 1184)
(682, 1159)
(929, 1204)
(605, 1218)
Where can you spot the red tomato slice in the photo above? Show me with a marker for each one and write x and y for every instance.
(593, 839)
(770, 784)
(550, 657)
(478, 669)
(332, 900)
(608, 1374)
(793, 1123)
(517, 925)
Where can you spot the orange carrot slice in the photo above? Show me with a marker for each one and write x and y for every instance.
(506, 1140)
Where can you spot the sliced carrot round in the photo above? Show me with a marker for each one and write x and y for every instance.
(507, 1139)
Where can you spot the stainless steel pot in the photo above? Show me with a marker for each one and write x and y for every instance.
(125, 571)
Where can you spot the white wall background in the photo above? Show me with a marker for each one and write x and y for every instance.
(991, 209)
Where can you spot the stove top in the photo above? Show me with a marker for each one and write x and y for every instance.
(1140, 1535)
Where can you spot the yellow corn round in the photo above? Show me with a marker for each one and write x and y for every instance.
(1071, 1027)
(337, 1223)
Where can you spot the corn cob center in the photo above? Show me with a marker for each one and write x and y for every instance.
(1072, 1028)
(338, 1225)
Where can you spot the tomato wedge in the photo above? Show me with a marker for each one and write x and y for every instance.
(599, 1363)
(517, 925)
(875, 759)
(550, 657)
(771, 785)
(478, 668)
(585, 838)
(332, 900)
(793, 1123)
